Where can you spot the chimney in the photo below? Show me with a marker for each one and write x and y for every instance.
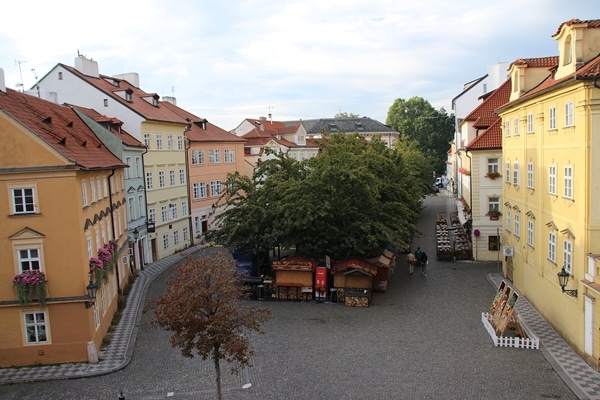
(131, 77)
(86, 66)
(170, 99)
(2, 83)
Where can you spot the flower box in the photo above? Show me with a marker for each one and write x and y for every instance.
(30, 286)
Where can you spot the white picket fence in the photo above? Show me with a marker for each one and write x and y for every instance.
(530, 342)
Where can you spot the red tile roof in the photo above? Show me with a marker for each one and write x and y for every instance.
(114, 125)
(139, 99)
(61, 128)
(489, 139)
(591, 23)
(539, 62)
(354, 263)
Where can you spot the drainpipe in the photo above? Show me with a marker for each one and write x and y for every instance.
(144, 258)
(187, 145)
(112, 223)
(470, 182)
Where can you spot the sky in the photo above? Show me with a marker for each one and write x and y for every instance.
(300, 59)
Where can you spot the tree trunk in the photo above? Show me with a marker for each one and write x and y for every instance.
(217, 374)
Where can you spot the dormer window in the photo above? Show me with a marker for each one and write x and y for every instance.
(155, 101)
(333, 128)
(568, 51)
(359, 127)
(129, 95)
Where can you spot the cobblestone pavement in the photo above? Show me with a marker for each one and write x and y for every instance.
(422, 339)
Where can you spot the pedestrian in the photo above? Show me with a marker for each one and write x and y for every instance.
(423, 261)
(412, 260)
(418, 255)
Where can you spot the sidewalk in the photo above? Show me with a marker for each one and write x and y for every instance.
(117, 354)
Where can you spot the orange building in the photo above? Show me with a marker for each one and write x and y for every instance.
(61, 199)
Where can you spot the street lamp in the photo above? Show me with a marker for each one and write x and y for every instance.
(91, 288)
(563, 279)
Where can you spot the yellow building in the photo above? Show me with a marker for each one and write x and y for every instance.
(61, 199)
(551, 195)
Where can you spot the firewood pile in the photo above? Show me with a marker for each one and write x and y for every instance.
(356, 302)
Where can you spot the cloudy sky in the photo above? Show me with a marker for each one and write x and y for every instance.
(235, 59)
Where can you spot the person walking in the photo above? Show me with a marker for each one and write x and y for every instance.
(412, 260)
(423, 261)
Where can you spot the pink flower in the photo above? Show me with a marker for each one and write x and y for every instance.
(30, 278)
(96, 264)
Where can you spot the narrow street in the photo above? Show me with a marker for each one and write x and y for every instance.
(422, 339)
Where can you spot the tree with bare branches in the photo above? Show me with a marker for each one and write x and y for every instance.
(204, 307)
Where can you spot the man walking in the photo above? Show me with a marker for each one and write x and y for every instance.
(423, 261)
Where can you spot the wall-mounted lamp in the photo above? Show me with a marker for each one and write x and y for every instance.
(91, 288)
(136, 233)
(563, 279)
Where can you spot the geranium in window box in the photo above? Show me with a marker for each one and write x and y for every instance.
(464, 171)
(494, 215)
(30, 285)
(493, 175)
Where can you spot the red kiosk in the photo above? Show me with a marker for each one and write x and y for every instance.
(321, 284)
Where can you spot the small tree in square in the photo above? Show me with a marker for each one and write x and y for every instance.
(204, 307)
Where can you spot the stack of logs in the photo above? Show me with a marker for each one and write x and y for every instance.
(356, 302)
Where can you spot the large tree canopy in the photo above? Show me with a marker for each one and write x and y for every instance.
(432, 129)
(351, 200)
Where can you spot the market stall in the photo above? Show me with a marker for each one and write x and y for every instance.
(294, 278)
(353, 280)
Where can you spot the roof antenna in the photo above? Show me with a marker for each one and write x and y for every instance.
(21, 74)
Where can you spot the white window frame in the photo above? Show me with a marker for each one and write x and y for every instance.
(173, 211)
(507, 128)
(152, 215)
(24, 201)
(517, 231)
(507, 176)
(184, 209)
(552, 179)
(568, 256)
(516, 128)
(170, 142)
(552, 118)
(164, 213)
(552, 246)
(530, 232)
(172, 177)
(185, 234)
(165, 241)
(182, 177)
(493, 165)
(29, 259)
(493, 204)
(84, 197)
(37, 330)
(149, 181)
(530, 175)
(568, 182)
(215, 188)
(147, 140)
(175, 237)
(179, 142)
(569, 121)
(516, 175)
(229, 155)
(508, 220)
(159, 142)
(161, 179)
(530, 125)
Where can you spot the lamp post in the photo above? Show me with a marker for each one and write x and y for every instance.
(563, 279)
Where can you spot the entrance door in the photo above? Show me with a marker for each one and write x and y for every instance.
(589, 325)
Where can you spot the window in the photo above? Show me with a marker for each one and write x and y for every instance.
(105, 187)
(508, 222)
(185, 234)
(24, 200)
(127, 170)
(147, 140)
(530, 175)
(130, 209)
(552, 179)
(173, 210)
(530, 123)
(35, 327)
(516, 126)
(568, 256)
(149, 183)
(507, 172)
(516, 173)
(164, 214)
(183, 209)
(517, 231)
(568, 182)
(179, 142)
(84, 197)
(229, 155)
(493, 243)
(172, 177)
(215, 188)
(138, 167)
(141, 206)
(129, 95)
(552, 247)
(60, 75)
(493, 166)
(152, 215)
(199, 189)
(161, 179)
(105, 102)
(170, 142)
(182, 177)
(159, 144)
(175, 238)
(569, 114)
(507, 128)
(530, 232)
(92, 191)
(493, 204)
(99, 186)
(165, 241)
(29, 260)
(552, 118)
(214, 156)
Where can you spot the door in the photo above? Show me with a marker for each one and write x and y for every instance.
(589, 325)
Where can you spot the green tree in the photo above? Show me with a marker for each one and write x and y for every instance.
(432, 129)
(346, 115)
(204, 310)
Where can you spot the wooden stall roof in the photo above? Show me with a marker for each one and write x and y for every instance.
(354, 263)
(297, 263)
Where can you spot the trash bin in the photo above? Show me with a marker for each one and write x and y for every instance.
(333, 295)
(260, 292)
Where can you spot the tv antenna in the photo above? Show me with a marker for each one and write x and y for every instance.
(17, 62)
(271, 115)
